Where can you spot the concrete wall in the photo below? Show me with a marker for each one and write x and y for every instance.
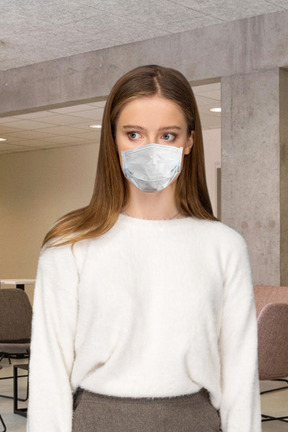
(254, 164)
(283, 130)
(250, 156)
(36, 188)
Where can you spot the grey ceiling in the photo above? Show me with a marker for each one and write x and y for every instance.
(33, 31)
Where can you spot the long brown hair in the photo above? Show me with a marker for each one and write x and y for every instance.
(111, 193)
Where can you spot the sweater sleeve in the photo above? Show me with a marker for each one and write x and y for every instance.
(240, 404)
(52, 345)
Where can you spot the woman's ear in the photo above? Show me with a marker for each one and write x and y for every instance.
(189, 144)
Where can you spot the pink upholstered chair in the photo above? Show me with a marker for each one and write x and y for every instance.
(272, 314)
(265, 294)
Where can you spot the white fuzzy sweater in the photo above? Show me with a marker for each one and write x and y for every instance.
(152, 308)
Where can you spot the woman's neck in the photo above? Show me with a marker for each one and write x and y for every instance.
(156, 205)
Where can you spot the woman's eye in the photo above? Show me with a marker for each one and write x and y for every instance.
(134, 135)
(169, 137)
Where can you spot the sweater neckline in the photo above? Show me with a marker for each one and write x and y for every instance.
(152, 221)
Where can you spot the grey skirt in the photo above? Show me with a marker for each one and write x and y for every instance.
(189, 413)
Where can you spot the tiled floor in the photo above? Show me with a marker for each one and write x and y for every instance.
(14, 423)
(273, 403)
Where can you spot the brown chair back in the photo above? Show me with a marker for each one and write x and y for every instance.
(15, 316)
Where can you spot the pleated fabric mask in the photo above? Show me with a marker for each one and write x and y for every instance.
(152, 167)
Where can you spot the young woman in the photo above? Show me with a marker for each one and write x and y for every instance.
(144, 316)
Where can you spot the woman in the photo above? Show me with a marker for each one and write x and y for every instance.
(144, 314)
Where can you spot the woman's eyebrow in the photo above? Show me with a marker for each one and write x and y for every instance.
(170, 127)
(161, 129)
(133, 127)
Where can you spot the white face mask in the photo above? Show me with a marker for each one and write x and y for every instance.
(152, 167)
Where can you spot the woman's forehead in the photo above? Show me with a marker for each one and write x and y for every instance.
(153, 108)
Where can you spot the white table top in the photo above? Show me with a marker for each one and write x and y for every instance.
(17, 281)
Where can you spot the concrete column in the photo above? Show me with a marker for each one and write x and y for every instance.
(284, 176)
(255, 168)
